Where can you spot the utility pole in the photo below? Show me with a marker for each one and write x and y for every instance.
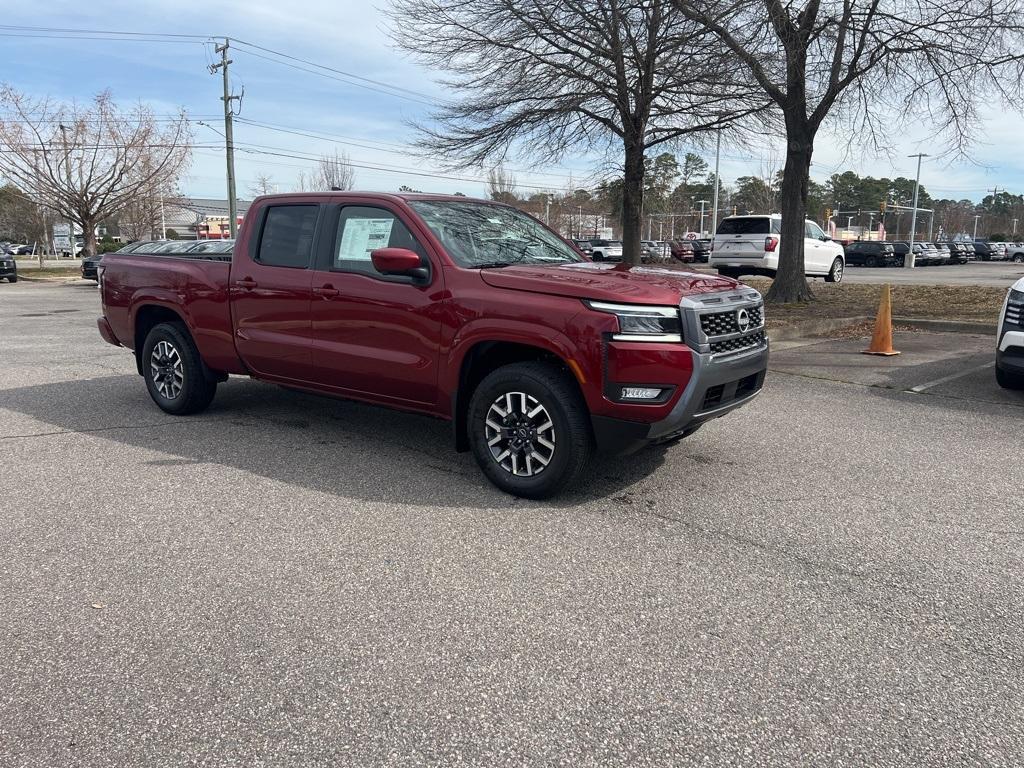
(1015, 228)
(718, 154)
(909, 262)
(229, 141)
(67, 170)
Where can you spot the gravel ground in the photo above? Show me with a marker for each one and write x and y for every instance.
(830, 576)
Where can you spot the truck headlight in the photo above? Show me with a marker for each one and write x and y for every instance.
(643, 323)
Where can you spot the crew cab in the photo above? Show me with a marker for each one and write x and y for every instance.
(468, 311)
(749, 245)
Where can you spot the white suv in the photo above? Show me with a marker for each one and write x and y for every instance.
(1010, 348)
(749, 245)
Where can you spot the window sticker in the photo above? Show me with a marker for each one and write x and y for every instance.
(361, 236)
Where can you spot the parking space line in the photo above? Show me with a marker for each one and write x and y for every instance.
(951, 377)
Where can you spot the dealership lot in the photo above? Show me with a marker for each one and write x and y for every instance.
(831, 574)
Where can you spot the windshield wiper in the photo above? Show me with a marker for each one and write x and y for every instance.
(494, 264)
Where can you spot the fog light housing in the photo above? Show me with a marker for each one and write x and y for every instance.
(640, 393)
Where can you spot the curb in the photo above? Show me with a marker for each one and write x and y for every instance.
(48, 279)
(948, 326)
(809, 328)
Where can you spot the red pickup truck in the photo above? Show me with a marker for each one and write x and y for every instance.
(466, 310)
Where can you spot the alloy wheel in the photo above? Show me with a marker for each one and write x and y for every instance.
(520, 434)
(166, 369)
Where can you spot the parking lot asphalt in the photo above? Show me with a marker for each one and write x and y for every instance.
(829, 576)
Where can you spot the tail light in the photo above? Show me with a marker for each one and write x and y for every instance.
(770, 244)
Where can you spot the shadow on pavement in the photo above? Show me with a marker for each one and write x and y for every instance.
(339, 447)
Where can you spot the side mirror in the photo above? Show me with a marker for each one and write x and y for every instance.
(826, 239)
(399, 261)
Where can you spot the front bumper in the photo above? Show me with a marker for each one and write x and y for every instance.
(727, 373)
(8, 271)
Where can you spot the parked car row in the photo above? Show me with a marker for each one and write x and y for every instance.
(15, 249)
(651, 251)
(873, 253)
(161, 248)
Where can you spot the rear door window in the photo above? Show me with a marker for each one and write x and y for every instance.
(287, 237)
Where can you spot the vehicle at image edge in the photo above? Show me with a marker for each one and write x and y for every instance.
(8, 268)
(1010, 343)
(469, 311)
(606, 250)
(749, 245)
(90, 263)
(869, 253)
(1015, 253)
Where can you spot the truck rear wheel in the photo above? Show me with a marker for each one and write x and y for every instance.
(1008, 380)
(174, 372)
(529, 429)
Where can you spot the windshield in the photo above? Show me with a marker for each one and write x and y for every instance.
(482, 235)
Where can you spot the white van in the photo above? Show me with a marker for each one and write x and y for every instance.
(749, 245)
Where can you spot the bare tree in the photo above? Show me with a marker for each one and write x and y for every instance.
(870, 67)
(265, 185)
(333, 172)
(142, 216)
(88, 163)
(501, 185)
(538, 78)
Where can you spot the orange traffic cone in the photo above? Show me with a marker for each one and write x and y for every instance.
(881, 341)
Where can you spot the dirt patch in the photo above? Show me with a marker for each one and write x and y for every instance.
(928, 302)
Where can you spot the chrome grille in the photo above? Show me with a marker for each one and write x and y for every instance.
(739, 343)
(723, 323)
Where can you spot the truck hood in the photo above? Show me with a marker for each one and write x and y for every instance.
(607, 282)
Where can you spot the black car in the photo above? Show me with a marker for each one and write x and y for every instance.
(984, 251)
(584, 245)
(8, 268)
(959, 253)
(701, 250)
(870, 253)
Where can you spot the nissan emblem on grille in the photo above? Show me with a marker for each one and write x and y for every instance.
(743, 319)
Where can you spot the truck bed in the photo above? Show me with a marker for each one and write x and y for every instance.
(193, 287)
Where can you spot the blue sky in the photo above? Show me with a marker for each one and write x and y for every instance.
(369, 125)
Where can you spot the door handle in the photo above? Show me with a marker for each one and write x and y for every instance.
(246, 282)
(327, 291)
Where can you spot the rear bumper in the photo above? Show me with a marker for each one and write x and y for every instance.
(1010, 354)
(717, 386)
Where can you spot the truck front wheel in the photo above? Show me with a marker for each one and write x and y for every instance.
(174, 372)
(529, 429)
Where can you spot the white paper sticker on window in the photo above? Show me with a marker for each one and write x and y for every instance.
(361, 236)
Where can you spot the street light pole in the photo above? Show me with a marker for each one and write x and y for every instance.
(909, 262)
(976, 226)
(1015, 228)
(702, 204)
(718, 154)
(67, 170)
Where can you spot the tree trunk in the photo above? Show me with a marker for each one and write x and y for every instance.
(790, 282)
(88, 238)
(632, 203)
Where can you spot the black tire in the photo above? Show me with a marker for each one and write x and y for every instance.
(835, 274)
(180, 384)
(872, 261)
(1008, 380)
(730, 272)
(545, 385)
(13, 279)
(1018, 258)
